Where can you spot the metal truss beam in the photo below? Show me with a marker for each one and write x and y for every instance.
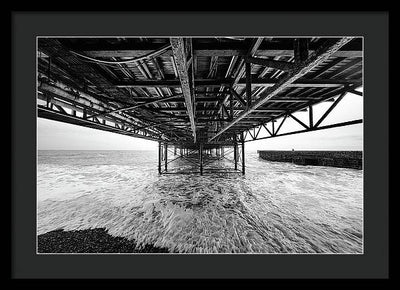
(78, 101)
(341, 124)
(59, 103)
(301, 69)
(82, 102)
(48, 113)
(308, 128)
(310, 103)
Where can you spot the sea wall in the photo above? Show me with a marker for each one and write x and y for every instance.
(342, 159)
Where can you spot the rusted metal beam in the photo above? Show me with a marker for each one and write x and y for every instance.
(187, 83)
(321, 55)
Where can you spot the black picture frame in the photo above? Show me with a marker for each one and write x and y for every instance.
(373, 26)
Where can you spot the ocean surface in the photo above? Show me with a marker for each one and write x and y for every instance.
(275, 208)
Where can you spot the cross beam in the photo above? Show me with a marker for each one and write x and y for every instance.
(187, 82)
(302, 68)
(259, 82)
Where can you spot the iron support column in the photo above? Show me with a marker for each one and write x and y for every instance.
(159, 157)
(243, 159)
(201, 159)
(248, 84)
(235, 148)
(273, 127)
(166, 156)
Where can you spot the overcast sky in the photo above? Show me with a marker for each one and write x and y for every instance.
(54, 135)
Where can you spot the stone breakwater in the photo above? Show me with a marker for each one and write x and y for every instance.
(342, 159)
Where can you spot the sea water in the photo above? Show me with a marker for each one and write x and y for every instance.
(275, 207)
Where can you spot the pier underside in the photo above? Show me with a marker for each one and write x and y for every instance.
(202, 99)
(205, 158)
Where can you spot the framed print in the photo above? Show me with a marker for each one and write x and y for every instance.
(215, 149)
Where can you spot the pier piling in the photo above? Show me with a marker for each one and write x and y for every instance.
(201, 158)
(159, 157)
(235, 154)
(166, 157)
(243, 158)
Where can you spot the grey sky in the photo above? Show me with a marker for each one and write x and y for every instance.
(54, 135)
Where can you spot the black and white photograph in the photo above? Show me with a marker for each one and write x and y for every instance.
(200, 144)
